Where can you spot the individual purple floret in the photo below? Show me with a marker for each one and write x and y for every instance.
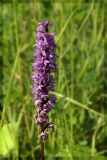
(43, 68)
(44, 135)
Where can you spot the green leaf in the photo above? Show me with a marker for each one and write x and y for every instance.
(8, 138)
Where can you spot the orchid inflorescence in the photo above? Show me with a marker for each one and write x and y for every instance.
(43, 79)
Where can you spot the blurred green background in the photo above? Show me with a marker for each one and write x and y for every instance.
(79, 114)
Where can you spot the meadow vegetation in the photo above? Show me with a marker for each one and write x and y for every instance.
(80, 112)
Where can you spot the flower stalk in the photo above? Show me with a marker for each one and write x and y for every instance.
(42, 156)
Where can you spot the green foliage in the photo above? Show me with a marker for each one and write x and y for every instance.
(80, 112)
(8, 139)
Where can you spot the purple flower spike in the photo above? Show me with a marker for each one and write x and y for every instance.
(43, 67)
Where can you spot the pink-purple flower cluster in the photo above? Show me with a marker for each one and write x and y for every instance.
(43, 79)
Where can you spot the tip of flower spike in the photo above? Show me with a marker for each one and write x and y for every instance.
(44, 23)
(43, 26)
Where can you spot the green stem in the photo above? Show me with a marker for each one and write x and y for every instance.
(42, 156)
